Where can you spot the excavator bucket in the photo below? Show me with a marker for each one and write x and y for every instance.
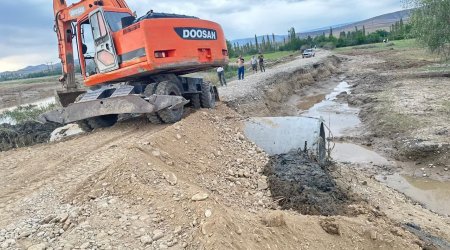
(280, 135)
(68, 97)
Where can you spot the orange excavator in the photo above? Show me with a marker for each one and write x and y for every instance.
(132, 65)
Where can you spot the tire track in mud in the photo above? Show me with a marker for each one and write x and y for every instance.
(46, 170)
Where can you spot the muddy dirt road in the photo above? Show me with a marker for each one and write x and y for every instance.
(201, 184)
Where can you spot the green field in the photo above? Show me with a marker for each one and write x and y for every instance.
(44, 79)
(268, 56)
(397, 44)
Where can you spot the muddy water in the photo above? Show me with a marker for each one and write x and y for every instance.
(340, 118)
(343, 121)
(348, 152)
(435, 195)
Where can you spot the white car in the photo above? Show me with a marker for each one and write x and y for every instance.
(308, 53)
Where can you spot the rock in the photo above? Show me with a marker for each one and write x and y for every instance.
(157, 234)
(47, 219)
(423, 169)
(208, 213)
(85, 245)
(330, 226)
(146, 239)
(171, 178)
(177, 230)
(24, 234)
(373, 235)
(424, 175)
(178, 136)
(63, 217)
(262, 184)
(41, 246)
(156, 153)
(445, 169)
(200, 197)
(274, 219)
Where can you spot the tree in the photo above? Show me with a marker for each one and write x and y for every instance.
(431, 24)
(331, 32)
(256, 42)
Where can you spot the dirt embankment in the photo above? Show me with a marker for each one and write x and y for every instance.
(270, 95)
(197, 184)
(404, 108)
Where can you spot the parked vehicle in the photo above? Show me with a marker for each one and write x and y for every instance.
(308, 53)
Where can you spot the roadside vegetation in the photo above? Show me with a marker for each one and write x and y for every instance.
(398, 31)
(430, 21)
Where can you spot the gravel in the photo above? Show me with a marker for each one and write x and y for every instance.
(253, 85)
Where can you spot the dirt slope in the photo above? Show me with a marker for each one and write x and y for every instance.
(196, 184)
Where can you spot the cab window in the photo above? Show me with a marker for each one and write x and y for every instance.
(98, 26)
(114, 19)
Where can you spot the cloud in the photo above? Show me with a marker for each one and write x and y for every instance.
(27, 25)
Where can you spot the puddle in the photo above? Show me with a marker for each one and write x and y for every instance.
(347, 152)
(41, 103)
(338, 116)
(280, 135)
(435, 195)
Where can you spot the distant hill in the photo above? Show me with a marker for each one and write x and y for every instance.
(383, 22)
(371, 24)
(27, 70)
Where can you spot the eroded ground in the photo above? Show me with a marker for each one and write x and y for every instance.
(200, 184)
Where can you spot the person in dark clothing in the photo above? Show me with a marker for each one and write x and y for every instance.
(261, 63)
(241, 68)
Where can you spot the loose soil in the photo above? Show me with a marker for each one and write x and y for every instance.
(200, 184)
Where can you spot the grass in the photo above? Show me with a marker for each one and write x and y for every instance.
(396, 45)
(22, 114)
(269, 56)
(44, 79)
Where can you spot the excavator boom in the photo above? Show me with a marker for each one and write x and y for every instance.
(65, 16)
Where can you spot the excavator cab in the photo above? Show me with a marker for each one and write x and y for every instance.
(98, 53)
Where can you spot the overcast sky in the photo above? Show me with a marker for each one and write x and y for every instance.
(27, 37)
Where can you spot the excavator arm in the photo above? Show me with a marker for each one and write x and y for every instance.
(65, 16)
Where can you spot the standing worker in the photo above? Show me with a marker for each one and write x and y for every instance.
(221, 75)
(254, 64)
(261, 63)
(241, 68)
